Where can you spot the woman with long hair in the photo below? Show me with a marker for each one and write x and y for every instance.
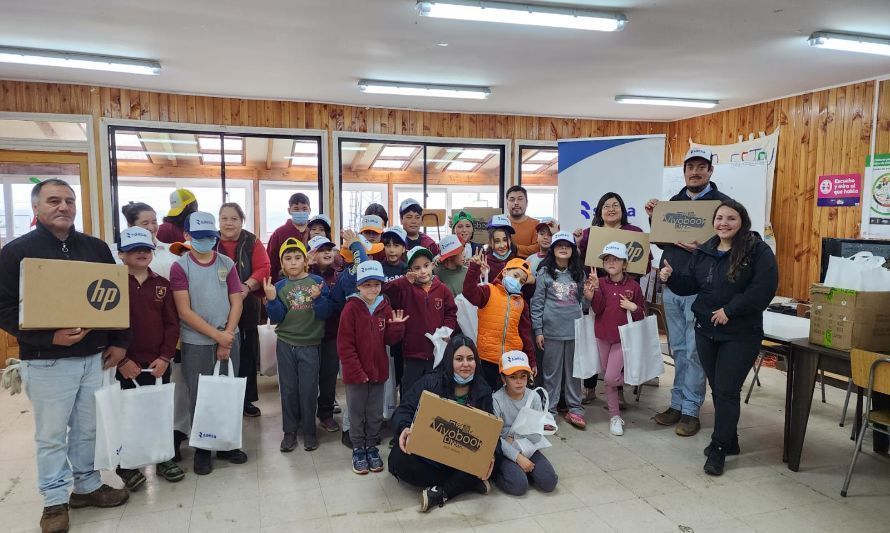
(735, 276)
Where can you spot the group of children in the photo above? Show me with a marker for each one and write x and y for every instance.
(380, 299)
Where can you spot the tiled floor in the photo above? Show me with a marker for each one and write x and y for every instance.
(649, 480)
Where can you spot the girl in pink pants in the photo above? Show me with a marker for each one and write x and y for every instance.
(615, 294)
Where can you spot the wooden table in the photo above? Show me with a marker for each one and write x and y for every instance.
(804, 359)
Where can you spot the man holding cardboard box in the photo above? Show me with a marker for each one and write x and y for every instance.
(61, 368)
(688, 392)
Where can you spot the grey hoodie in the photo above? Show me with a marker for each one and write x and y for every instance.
(556, 305)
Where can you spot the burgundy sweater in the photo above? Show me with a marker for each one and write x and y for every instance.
(606, 305)
(153, 320)
(427, 311)
(362, 338)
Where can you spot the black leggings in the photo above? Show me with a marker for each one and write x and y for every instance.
(726, 365)
(492, 374)
(423, 473)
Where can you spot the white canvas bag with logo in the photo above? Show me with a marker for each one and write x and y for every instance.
(108, 438)
(218, 411)
(146, 424)
(641, 349)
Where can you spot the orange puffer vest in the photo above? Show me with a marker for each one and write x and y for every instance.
(499, 324)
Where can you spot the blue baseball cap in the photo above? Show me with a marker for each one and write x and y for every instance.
(135, 238)
(398, 232)
(369, 271)
(201, 225)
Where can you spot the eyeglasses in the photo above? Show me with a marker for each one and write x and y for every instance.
(612, 206)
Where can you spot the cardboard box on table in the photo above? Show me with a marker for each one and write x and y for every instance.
(55, 294)
(481, 217)
(683, 221)
(455, 435)
(843, 319)
(637, 247)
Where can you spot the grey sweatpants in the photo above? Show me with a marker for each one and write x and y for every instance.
(559, 357)
(199, 359)
(298, 385)
(365, 405)
(511, 479)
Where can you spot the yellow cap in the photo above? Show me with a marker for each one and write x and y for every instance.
(178, 200)
(291, 244)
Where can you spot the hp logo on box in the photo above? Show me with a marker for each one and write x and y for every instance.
(103, 294)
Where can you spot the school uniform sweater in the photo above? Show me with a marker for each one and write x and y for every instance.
(154, 321)
(428, 310)
(609, 313)
(362, 337)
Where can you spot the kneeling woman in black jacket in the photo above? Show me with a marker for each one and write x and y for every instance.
(735, 276)
(456, 378)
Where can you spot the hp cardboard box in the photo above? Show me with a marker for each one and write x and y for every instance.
(637, 247)
(844, 319)
(683, 221)
(481, 217)
(56, 294)
(452, 434)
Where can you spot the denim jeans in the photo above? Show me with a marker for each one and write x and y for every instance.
(688, 391)
(61, 393)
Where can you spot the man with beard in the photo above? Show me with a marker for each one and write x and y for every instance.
(688, 391)
(526, 236)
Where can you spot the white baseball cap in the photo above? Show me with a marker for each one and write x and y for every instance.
(135, 237)
(372, 223)
(318, 241)
(501, 221)
(547, 222)
(406, 204)
(514, 361)
(201, 225)
(450, 246)
(321, 217)
(699, 152)
(397, 231)
(616, 249)
(562, 236)
(369, 271)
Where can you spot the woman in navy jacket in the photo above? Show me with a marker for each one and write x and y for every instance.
(735, 276)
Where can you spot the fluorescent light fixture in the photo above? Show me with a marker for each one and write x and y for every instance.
(397, 151)
(851, 42)
(526, 14)
(304, 161)
(56, 58)
(305, 147)
(389, 163)
(423, 89)
(462, 166)
(531, 167)
(659, 100)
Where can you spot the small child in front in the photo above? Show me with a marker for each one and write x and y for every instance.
(520, 461)
(367, 325)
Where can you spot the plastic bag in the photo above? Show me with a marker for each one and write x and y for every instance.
(467, 317)
(218, 411)
(863, 271)
(641, 349)
(439, 338)
(268, 349)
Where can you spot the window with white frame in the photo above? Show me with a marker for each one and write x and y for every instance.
(274, 198)
(542, 200)
(355, 198)
(451, 198)
(17, 215)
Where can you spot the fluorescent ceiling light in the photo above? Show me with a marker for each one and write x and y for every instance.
(234, 159)
(305, 147)
(477, 154)
(542, 157)
(531, 167)
(131, 155)
(850, 42)
(212, 143)
(304, 161)
(130, 140)
(529, 15)
(55, 58)
(462, 166)
(397, 151)
(658, 100)
(423, 89)
(389, 163)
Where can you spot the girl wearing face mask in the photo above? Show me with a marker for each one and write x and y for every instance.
(504, 320)
(500, 245)
(457, 378)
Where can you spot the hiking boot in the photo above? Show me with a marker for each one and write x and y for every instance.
(170, 471)
(359, 461)
(288, 443)
(310, 443)
(54, 519)
(667, 418)
(432, 497)
(375, 463)
(345, 440)
(203, 462)
(236, 457)
(133, 479)
(716, 461)
(104, 496)
(251, 410)
(329, 424)
(731, 450)
(688, 426)
(576, 420)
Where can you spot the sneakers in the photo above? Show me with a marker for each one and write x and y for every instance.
(432, 497)
(716, 461)
(575, 420)
(549, 429)
(345, 440)
(170, 471)
(375, 463)
(359, 461)
(688, 426)
(236, 457)
(337, 409)
(251, 410)
(616, 426)
(310, 443)
(288, 443)
(732, 450)
(667, 418)
(104, 496)
(133, 479)
(54, 519)
(329, 424)
(203, 462)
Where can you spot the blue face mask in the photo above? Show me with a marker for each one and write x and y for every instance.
(500, 257)
(203, 246)
(512, 285)
(462, 380)
(300, 218)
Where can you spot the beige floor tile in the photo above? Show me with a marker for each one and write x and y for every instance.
(360, 495)
(596, 489)
(520, 525)
(101, 526)
(646, 481)
(686, 508)
(315, 525)
(447, 518)
(168, 521)
(574, 520)
(492, 508)
(284, 508)
(634, 515)
(784, 521)
(233, 515)
(354, 522)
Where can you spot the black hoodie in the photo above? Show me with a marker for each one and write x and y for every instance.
(743, 300)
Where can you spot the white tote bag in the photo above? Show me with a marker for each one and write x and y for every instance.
(861, 272)
(146, 424)
(268, 349)
(108, 437)
(467, 317)
(587, 356)
(218, 411)
(390, 392)
(641, 348)
(530, 422)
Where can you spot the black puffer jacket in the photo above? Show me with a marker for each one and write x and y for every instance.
(440, 384)
(743, 300)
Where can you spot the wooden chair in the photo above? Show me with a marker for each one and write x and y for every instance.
(872, 371)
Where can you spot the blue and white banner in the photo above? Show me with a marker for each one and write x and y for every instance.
(633, 167)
